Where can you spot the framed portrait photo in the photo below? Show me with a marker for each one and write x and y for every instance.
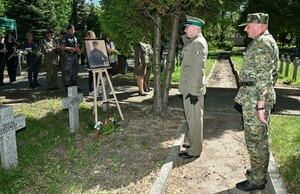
(96, 53)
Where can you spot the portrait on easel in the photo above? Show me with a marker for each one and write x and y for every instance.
(96, 53)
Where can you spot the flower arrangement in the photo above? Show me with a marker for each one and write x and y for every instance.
(107, 126)
(113, 52)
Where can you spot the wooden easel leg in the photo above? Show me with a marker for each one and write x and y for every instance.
(104, 94)
(114, 94)
(96, 85)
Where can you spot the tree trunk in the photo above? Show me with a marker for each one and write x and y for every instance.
(170, 58)
(157, 103)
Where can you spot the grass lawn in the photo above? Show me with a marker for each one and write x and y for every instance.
(208, 66)
(46, 130)
(53, 160)
(285, 146)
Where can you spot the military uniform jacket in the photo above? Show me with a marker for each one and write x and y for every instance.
(192, 74)
(96, 58)
(48, 49)
(69, 40)
(260, 64)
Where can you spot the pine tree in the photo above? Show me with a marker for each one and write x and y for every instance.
(37, 16)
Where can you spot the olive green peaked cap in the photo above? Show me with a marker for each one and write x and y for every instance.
(194, 21)
(259, 18)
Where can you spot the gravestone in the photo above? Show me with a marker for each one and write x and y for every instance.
(8, 144)
(71, 102)
(296, 64)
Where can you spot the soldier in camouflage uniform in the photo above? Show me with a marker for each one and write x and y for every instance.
(192, 84)
(71, 49)
(257, 97)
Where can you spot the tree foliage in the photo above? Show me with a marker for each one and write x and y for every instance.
(92, 21)
(37, 16)
(78, 14)
(2, 7)
(125, 22)
(29, 15)
(284, 15)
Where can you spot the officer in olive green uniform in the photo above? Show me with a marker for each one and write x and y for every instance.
(257, 97)
(49, 48)
(192, 84)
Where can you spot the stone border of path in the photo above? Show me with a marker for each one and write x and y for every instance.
(274, 182)
(161, 181)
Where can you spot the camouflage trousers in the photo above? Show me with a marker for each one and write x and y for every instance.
(256, 137)
(71, 67)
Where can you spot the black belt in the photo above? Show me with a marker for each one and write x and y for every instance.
(247, 83)
(70, 52)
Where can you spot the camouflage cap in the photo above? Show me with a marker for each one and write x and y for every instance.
(194, 21)
(259, 18)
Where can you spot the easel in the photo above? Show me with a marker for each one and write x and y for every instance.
(98, 73)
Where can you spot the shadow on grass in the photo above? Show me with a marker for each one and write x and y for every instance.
(52, 160)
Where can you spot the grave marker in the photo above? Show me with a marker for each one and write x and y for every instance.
(71, 102)
(8, 144)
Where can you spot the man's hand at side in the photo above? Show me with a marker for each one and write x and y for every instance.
(193, 99)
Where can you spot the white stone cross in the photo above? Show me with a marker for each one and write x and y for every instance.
(8, 144)
(71, 102)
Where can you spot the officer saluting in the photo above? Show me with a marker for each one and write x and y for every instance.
(192, 83)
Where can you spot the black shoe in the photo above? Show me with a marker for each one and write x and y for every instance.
(248, 172)
(247, 186)
(186, 155)
(186, 146)
(140, 94)
(148, 90)
(37, 84)
(32, 85)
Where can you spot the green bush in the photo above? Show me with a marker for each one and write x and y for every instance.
(217, 45)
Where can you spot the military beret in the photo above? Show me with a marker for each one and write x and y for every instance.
(70, 26)
(50, 31)
(194, 21)
(259, 18)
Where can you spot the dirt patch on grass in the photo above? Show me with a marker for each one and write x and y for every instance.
(122, 162)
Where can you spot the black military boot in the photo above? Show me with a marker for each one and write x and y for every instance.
(247, 186)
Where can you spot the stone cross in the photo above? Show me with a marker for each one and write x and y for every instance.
(295, 71)
(282, 60)
(71, 102)
(8, 144)
(287, 63)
